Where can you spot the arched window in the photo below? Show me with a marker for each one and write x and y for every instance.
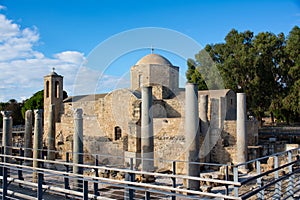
(47, 89)
(56, 89)
(118, 133)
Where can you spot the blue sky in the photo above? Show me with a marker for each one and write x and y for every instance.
(61, 34)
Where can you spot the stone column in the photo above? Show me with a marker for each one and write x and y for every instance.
(147, 140)
(222, 112)
(241, 134)
(37, 142)
(78, 146)
(28, 137)
(204, 124)
(134, 144)
(51, 135)
(214, 131)
(7, 134)
(192, 135)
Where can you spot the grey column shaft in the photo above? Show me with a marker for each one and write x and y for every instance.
(78, 141)
(37, 140)
(28, 136)
(204, 124)
(222, 112)
(147, 140)
(51, 133)
(192, 134)
(214, 128)
(241, 134)
(7, 134)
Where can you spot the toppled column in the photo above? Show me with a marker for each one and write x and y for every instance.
(192, 135)
(7, 134)
(37, 142)
(51, 135)
(147, 140)
(204, 124)
(241, 132)
(78, 146)
(28, 137)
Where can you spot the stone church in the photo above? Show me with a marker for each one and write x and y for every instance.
(112, 121)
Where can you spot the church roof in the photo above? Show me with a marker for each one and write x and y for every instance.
(215, 93)
(82, 98)
(154, 59)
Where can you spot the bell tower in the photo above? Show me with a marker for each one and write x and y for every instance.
(53, 94)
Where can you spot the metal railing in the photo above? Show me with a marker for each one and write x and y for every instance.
(279, 181)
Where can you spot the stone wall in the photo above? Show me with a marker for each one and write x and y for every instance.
(225, 149)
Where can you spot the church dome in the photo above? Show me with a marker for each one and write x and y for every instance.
(154, 59)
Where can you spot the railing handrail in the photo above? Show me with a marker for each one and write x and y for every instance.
(121, 170)
(123, 182)
(266, 157)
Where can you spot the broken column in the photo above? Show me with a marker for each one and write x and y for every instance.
(7, 134)
(192, 136)
(134, 144)
(28, 137)
(147, 142)
(241, 134)
(78, 146)
(204, 124)
(51, 135)
(37, 142)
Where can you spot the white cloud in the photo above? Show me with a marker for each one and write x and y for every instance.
(22, 68)
(70, 57)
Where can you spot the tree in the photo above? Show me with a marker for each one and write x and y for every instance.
(34, 102)
(264, 66)
(15, 107)
(291, 102)
(193, 75)
(37, 101)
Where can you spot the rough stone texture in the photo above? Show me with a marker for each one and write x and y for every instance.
(51, 133)
(28, 137)
(111, 122)
(147, 137)
(53, 94)
(159, 73)
(192, 135)
(241, 130)
(7, 134)
(37, 142)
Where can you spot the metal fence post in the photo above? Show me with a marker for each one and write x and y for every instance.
(20, 171)
(226, 178)
(96, 192)
(85, 190)
(132, 179)
(147, 195)
(66, 179)
(40, 186)
(4, 183)
(236, 179)
(277, 193)
(260, 195)
(290, 189)
(174, 179)
(129, 193)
